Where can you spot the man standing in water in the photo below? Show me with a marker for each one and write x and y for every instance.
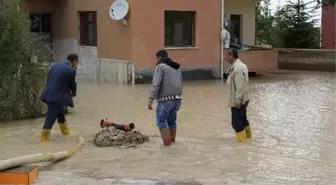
(238, 95)
(60, 88)
(167, 90)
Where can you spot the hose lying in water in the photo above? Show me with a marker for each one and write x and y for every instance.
(125, 127)
(41, 157)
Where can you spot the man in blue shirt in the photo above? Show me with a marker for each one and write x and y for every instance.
(60, 88)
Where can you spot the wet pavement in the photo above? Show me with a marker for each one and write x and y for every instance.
(292, 115)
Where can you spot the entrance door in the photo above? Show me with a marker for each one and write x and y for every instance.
(236, 28)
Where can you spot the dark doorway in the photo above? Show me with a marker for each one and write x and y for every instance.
(236, 27)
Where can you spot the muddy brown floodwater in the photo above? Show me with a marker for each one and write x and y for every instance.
(292, 116)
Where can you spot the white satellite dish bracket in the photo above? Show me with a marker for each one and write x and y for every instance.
(124, 22)
(119, 11)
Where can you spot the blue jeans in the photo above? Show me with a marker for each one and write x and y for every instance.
(239, 118)
(55, 111)
(166, 114)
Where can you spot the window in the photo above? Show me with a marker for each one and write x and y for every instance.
(179, 29)
(40, 26)
(40, 23)
(88, 28)
(236, 24)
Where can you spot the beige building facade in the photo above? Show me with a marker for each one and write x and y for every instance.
(110, 51)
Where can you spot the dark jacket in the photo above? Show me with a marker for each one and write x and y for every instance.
(74, 89)
(61, 84)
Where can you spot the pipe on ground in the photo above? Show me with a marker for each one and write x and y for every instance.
(42, 157)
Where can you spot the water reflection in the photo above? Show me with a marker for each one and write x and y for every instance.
(292, 117)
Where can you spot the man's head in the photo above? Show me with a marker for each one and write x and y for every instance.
(73, 59)
(231, 55)
(161, 54)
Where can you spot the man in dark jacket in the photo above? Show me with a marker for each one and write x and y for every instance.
(60, 88)
(167, 91)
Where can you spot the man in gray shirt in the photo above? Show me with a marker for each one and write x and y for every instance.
(167, 91)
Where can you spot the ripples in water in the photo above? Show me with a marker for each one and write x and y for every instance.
(292, 117)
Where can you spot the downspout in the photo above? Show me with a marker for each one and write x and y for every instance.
(133, 75)
(221, 42)
(21, 6)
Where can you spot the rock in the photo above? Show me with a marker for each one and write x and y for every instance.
(112, 137)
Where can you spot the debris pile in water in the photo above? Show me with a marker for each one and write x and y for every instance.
(112, 137)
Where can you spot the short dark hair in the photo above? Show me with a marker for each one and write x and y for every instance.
(72, 57)
(233, 52)
(162, 53)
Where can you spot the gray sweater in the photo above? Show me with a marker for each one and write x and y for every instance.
(167, 83)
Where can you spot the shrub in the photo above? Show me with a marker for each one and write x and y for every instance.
(21, 78)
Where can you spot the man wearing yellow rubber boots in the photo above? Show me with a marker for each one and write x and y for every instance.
(238, 95)
(60, 88)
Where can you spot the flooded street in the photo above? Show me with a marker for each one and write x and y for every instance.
(292, 115)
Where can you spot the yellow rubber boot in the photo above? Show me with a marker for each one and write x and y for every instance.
(64, 128)
(248, 132)
(241, 136)
(45, 135)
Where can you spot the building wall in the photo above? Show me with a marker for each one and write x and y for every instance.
(207, 50)
(308, 59)
(246, 8)
(328, 27)
(114, 39)
(137, 43)
(201, 61)
(39, 6)
(148, 39)
(259, 60)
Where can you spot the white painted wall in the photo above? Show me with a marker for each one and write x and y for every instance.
(87, 56)
(114, 71)
(246, 8)
(90, 66)
(62, 47)
(87, 61)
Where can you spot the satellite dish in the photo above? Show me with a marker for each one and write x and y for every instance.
(119, 10)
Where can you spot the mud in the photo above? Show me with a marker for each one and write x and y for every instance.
(112, 137)
(292, 116)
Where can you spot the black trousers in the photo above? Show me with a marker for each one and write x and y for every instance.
(66, 110)
(55, 111)
(239, 118)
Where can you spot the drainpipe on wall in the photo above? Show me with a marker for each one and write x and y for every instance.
(133, 75)
(21, 6)
(221, 42)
